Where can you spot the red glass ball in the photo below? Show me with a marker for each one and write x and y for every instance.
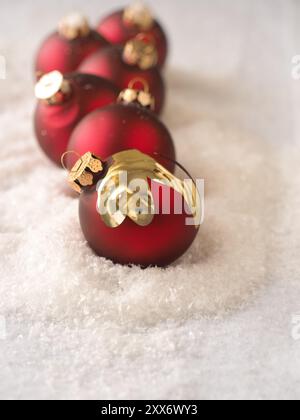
(161, 243)
(64, 55)
(109, 63)
(55, 123)
(117, 31)
(120, 127)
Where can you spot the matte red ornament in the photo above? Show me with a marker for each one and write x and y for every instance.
(119, 127)
(67, 48)
(156, 241)
(161, 243)
(63, 102)
(110, 64)
(123, 25)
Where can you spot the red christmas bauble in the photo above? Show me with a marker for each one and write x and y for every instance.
(111, 64)
(67, 48)
(123, 25)
(63, 102)
(156, 238)
(121, 127)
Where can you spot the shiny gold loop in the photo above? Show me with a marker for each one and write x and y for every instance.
(133, 95)
(69, 152)
(133, 82)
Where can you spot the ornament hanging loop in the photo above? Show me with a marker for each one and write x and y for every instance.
(132, 84)
(133, 94)
(69, 152)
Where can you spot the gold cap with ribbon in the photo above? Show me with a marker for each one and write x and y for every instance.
(53, 88)
(73, 26)
(141, 51)
(137, 14)
(141, 97)
(133, 198)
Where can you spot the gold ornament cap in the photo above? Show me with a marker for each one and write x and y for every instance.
(86, 172)
(52, 88)
(141, 97)
(137, 14)
(73, 26)
(141, 51)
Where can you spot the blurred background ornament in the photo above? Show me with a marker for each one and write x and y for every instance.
(123, 25)
(127, 124)
(62, 102)
(65, 49)
(137, 59)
